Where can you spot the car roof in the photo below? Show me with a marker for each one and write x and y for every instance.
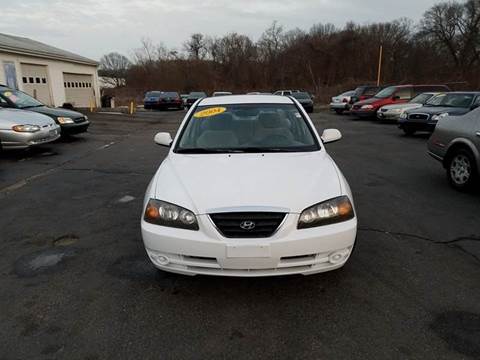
(246, 99)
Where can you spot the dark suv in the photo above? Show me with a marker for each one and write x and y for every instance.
(194, 96)
(162, 100)
(71, 122)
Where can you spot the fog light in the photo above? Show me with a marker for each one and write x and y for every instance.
(338, 256)
(161, 259)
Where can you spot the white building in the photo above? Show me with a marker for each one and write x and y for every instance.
(49, 74)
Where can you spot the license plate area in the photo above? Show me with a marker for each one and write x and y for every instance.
(248, 251)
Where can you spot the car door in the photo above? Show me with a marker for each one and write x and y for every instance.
(402, 95)
(476, 123)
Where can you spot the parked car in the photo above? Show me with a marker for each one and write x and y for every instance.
(456, 144)
(20, 129)
(365, 92)
(341, 103)
(162, 100)
(258, 93)
(392, 95)
(426, 117)
(184, 98)
(221, 93)
(194, 96)
(283, 92)
(393, 112)
(71, 122)
(204, 212)
(305, 100)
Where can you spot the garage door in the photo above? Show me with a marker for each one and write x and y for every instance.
(78, 89)
(35, 82)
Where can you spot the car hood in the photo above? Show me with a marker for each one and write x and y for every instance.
(10, 117)
(55, 112)
(304, 101)
(435, 110)
(368, 101)
(287, 182)
(406, 106)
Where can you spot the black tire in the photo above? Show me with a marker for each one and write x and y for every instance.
(462, 172)
(409, 131)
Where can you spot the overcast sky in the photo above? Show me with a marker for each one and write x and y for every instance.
(94, 27)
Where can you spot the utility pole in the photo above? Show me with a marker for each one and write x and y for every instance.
(380, 58)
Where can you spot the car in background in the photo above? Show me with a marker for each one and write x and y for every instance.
(393, 112)
(305, 100)
(221, 93)
(258, 93)
(184, 98)
(449, 104)
(456, 144)
(194, 96)
(365, 92)
(341, 103)
(20, 129)
(392, 95)
(71, 122)
(227, 222)
(162, 100)
(283, 92)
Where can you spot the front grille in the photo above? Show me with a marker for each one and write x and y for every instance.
(418, 117)
(247, 224)
(79, 119)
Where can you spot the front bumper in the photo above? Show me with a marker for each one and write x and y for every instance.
(388, 116)
(21, 140)
(339, 106)
(75, 128)
(417, 125)
(361, 113)
(288, 251)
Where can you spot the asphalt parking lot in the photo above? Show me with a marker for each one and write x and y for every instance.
(76, 283)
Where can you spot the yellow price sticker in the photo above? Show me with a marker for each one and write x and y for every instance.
(209, 112)
(7, 93)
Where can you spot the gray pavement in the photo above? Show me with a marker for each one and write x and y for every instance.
(76, 284)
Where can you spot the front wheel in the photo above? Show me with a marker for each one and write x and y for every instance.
(461, 170)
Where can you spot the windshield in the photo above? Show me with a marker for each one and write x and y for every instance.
(301, 95)
(20, 99)
(421, 98)
(385, 93)
(452, 100)
(348, 93)
(153, 94)
(253, 128)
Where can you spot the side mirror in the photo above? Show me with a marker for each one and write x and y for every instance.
(163, 138)
(395, 98)
(331, 135)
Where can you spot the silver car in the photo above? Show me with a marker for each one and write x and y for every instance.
(341, 102)
(456, 143)
(21, 129)
(394, 111)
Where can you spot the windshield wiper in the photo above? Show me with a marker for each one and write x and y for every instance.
(31, 106)
(207, 151)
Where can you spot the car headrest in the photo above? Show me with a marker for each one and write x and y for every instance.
(271, 120)
(218, 122)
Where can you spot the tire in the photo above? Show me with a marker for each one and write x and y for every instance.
(462, 172)
(339, 111)
(409, 131)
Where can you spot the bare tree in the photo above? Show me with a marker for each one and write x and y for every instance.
(114, 67)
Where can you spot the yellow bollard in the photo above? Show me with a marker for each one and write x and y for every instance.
(91, 105)
(131, 107)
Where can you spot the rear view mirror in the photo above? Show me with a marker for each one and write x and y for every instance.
(331, 135)
(163, 138)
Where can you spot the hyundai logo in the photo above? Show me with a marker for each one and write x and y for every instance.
(247, 225)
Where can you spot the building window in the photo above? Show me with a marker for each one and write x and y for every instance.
(64, 84)
(30, 80)
(24, 79)
(37, 80)
(44, 80)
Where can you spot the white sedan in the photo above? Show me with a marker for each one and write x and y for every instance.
(248, 189)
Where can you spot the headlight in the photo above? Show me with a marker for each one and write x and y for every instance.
(403, 116)
(367, 107)
(85, 117)
(26, 128)
(163, 213)
(65, 120)
(438, 117)
(328, 212)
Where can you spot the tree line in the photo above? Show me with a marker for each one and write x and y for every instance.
(443, 47)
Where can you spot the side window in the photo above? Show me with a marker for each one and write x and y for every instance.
(404, 93)
(3, 102)
(476, 103)
(370, 91)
